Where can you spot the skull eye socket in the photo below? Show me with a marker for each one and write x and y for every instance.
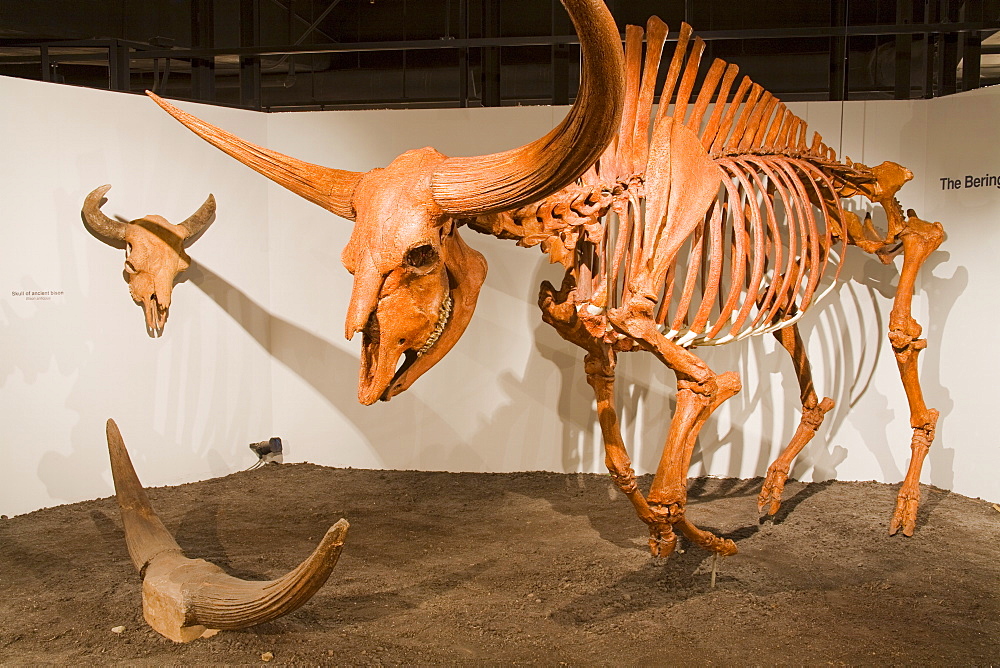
(421, 257)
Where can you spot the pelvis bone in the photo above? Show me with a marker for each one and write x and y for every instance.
(185, 599)
(154, 252)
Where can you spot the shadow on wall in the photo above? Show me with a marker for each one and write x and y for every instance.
(70, 368)
(846, 337)
(871, 286)
(70, 470)
(61, 343)
(942, 294)
(331, 371)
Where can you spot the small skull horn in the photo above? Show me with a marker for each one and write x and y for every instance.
(97, 221)
(199, 219)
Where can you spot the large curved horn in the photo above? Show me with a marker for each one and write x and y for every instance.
(145, 535)
(502, 181)
(330, 188)
(97, 221)
(199, 219)
(185, 599)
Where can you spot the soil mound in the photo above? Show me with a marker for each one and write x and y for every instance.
(523, 568)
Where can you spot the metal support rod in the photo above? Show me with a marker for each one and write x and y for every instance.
(250, 89)
(300, 19)
(203, 35)
(931, 47)
(463, 54)
(312, 27)
(560, 55)
(948, 62)
(46, 64)
(972, 47)
(546, 40)
(491, 54)
(903, 51)
(326, 12)
(560, 75)
(118, 70)
(838, 52)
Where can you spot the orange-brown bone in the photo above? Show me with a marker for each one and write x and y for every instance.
(154, 253)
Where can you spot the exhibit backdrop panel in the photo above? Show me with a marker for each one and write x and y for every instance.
(75, 349)
(512, 395)
(962, 287)
(254, 345)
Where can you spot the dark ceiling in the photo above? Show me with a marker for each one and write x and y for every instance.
(279, 55)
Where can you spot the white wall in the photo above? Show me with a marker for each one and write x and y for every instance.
(189, 403)
(963, 137)
(254, 344)
(512, 395)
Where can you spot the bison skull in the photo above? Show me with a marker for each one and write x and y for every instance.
(415, 280)
(415, 289)
(154, 252)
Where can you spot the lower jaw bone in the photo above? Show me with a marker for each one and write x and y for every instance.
(185, 599)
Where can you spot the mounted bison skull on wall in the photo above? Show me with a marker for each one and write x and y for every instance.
(154, 252)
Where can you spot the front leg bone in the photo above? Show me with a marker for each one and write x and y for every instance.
(699, 392)
(920, 239)
(559, 310)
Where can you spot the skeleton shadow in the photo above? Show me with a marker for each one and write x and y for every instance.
(848, 359)
(72, 475)
(847, 342)
(684, 575)
(313, 359)
(942, 294)
(36, 356)
(872, 285)
(197, 533)
(646, 399)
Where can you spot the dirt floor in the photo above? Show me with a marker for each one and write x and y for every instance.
(528, 568)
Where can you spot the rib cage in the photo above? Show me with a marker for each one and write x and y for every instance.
(769, 241)
(754, 264)
(754, 261)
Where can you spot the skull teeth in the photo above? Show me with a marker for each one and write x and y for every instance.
(443, 316)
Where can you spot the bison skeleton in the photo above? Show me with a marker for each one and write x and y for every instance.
(702, 222)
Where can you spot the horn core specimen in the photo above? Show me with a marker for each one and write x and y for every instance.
(186, 599)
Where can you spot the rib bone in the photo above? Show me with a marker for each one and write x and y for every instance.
(185, 599)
